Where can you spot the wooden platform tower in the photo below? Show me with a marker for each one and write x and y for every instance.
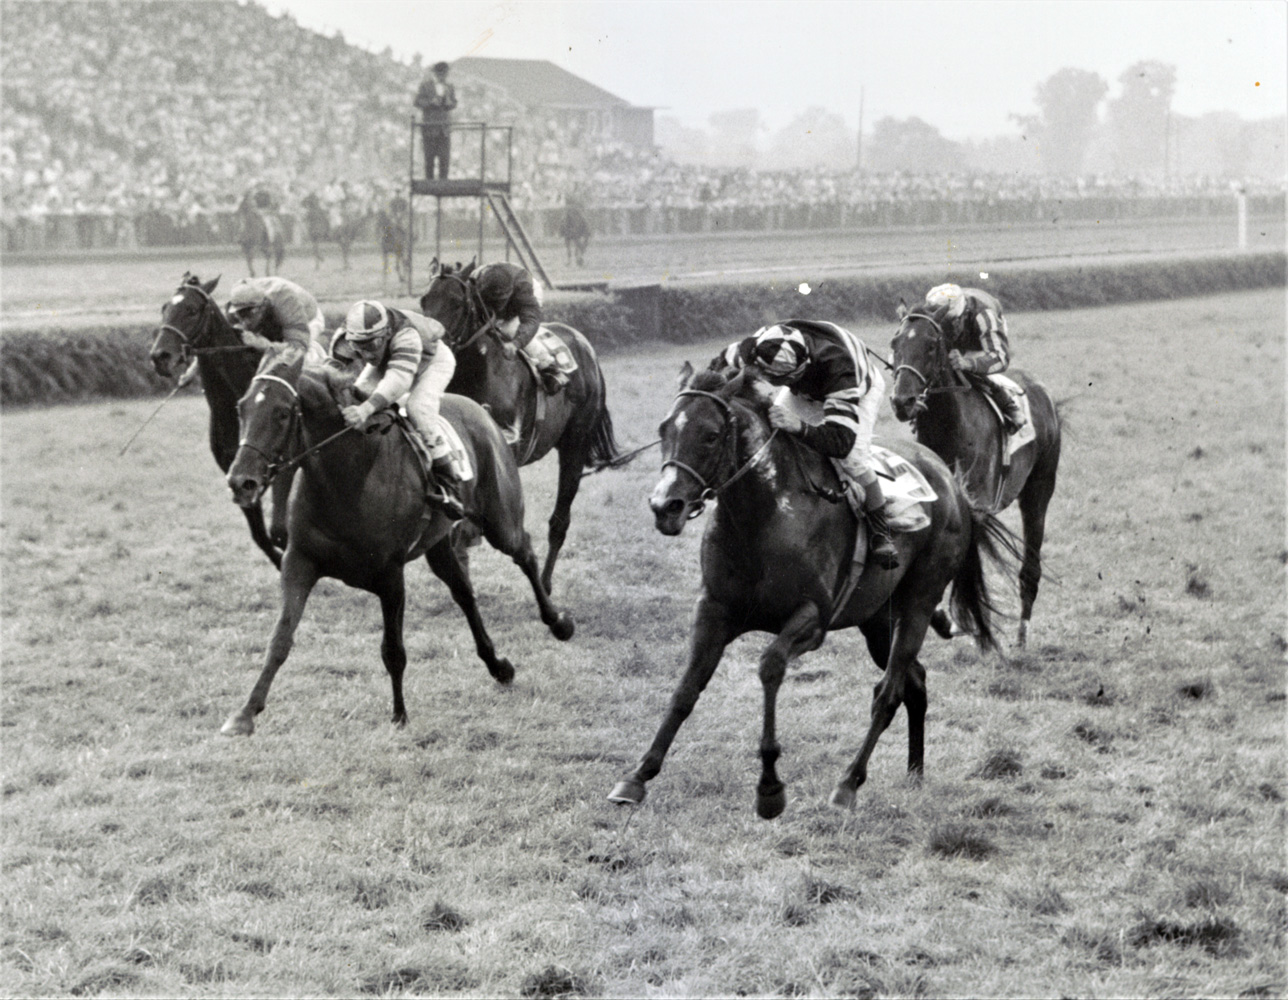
(492, 194)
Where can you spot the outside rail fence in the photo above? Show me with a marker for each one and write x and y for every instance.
(53, 232)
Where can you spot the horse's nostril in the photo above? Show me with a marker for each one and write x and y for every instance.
(671, 508)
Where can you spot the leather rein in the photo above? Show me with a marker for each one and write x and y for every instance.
(278, 466)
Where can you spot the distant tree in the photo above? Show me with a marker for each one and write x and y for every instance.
(681, 143)
(733, 137)
(815, 138)
(1140, 118)
(911, 145)
(1067, 103)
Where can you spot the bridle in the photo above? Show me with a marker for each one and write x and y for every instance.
(926, 386)
(276, 466)
(473, 306)
(189, 343)
(729, 443)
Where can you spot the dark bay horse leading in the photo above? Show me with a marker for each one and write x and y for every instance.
(260, 232)
(358, 513)
(775, 558)
(192, 325)
(576, 422)
(958, 424)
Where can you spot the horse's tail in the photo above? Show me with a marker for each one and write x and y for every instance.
(972, 605)
(605, 452)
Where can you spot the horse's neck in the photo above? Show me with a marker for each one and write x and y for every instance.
(943, 427)
(773, 482)
(342, 467)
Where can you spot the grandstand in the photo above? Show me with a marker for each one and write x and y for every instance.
(130, 123)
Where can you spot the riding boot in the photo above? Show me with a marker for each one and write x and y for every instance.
(447, 497)
(881, 546)
(1012, 414)
(553, 380)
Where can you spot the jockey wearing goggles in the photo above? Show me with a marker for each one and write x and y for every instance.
(405, 359)
(826, 364)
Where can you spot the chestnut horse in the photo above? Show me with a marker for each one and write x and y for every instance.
(575, 423)
(957, 423)
(776, 557)
(358, 513)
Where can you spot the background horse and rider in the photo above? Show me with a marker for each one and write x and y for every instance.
(395, 238)
(574, 229)
(260, 232)
(341, 223)
(575, 422)
(358, 512)
(777, 557)
(959, 424)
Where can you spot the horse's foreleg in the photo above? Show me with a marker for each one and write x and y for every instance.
(712, 632)
(255, 518)
(803, 632)
(298, 578)
(281, 492)
(571, 463)
(393, 601)
(904, 683)
(447, 567)
(1033, 508)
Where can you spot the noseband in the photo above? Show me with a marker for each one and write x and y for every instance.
(730, 431)
(276, 467)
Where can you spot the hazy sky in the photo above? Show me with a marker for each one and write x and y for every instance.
(961, 66)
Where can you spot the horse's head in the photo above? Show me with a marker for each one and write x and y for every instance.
(190, 321)
(451, 299)
(920, 358)
(268, 418)
(699, 446)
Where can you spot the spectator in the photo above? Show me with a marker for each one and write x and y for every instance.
(436, 100)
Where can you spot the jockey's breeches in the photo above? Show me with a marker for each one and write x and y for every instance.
(423, 399)
(858, 463)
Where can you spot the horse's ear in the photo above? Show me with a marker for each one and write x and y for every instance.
(735, 385)
(686, 374)
(902, 309)
(434, 268)
(209, 286)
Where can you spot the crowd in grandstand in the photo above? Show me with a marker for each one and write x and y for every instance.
(135, 123)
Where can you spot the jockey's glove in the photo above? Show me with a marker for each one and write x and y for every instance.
(783, 419)
(960, 362)
(356, 416)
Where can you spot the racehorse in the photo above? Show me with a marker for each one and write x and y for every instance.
(317, 223)
(776, 557)
(959, 425)
(358, 513)
(395, 242)
(260, 231)
(576, 422)
(574, 230)
(192, 325)
(338, 225)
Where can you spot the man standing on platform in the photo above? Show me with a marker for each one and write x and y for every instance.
(436, 99)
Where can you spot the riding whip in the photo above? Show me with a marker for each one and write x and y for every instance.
(177, 386)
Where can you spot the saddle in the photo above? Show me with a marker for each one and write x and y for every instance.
(1011, 443)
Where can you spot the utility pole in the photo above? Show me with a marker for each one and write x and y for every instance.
(858, 156)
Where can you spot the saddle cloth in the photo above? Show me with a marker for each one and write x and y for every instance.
(547, 342)
(459, 457)
(1016, 441)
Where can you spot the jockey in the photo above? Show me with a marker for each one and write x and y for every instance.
(274, 310)
(404, 356)
(976, 335)
(514, 299)
(828, 364)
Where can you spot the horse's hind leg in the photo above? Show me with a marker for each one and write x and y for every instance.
(904, 683)
(298, 578)
(447, 567)
(803, 632)
(393, 601)
(712, 632)
(571, 463)
(1033, 508)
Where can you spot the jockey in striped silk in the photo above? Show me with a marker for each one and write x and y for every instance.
(274, 310)
(404, 356)
(828, 364)
(975, 329)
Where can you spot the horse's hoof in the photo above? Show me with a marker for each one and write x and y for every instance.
(627, 792)
(770, 805)
(1022, 639)
(563, 628)
(238, 724)
(503, 672)
(842, 797)
(400, 719)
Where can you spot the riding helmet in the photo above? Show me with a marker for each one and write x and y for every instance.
(946, 301)
(366, 320)
(246, 297)
(780, 351)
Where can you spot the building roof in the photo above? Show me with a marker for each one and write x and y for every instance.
(538, 83)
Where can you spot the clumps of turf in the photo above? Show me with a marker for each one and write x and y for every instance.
(960, 840)
(1196, 584)
(1093, 737)
(990, 807)
(434, 980)
(999, 764)
(442, 918)
(1217, 936)
(1197, 690)
(553, 981)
